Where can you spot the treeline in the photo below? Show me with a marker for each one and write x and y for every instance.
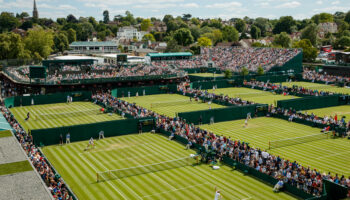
(183, 33)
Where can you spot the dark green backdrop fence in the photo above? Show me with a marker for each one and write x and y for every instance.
(219, 114)
(47, 99)
(204, 85)
(308, 103)
(86, 131)
(149, 90)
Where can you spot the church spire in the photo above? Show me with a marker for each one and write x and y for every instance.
(35, 11)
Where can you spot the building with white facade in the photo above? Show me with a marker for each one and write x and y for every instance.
(129, 32)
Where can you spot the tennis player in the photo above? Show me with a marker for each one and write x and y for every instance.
(246, 122)
(28, 116)
(217, 194)
(90, 144)
(68, 98)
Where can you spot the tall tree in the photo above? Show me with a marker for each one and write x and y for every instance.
(195, 31)
(284, 24)
(105, 16)
(8, 22)
(60, 42)
(12, 47)
(264, 25)
(309, 52)
(310, 33)
(230, 34)
(72, 19)
(343, 42)
(322, 18)
(282, 40)
(347, 17)
(145, 24)
(240, 25)
(148, 37)
(204, 42)
(39, 42)
(255, 32)
(71, 35)
(172, 46)
(183, 37)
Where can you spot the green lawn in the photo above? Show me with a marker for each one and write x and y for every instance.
(171, 109)
(257, 96)
(15, 167)
(325, 155)
(320, 87)
(5, 133)
(78, 168)
(207, 75)
(20, 114)
(332, 111)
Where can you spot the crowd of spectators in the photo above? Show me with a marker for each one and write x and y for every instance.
(315, 76)
(69, 73)
(286, 90)
(329, 121)
(54, 183)
(304, 178)
(184, 88)
(235, 58)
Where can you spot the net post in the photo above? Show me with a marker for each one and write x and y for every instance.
(97, 177)
(269, 145)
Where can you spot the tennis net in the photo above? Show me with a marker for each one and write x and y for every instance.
(252, 94)
(144, 169)
(297, 140)
(43, 116)
(172, 103)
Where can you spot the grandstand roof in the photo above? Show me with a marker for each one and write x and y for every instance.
(91, 43)
(169, 54)
(75, 58)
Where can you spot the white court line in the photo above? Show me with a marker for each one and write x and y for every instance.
(132, 157)
(109, 183)
(106, 169)
(117, 148)
(176, 189)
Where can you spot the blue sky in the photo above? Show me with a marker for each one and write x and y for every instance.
(225, 9)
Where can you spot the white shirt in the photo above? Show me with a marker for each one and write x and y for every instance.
(217, 195)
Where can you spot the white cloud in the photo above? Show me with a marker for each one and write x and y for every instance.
(292, 4)
(225, 5)
(332, 9)
(335, 2)
(319, 2)
(67, 7)
(189, 5)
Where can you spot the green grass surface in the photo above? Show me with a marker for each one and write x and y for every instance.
(332, 111)
(78, 168)
(170, 110)
(16, 167)
(20, 114)
(328, 155)
(320, 87)
(257, 96)
(6, 133)
(207, 75)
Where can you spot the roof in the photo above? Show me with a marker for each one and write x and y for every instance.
(74, 58)
(91, 43)
(149, 51)
(169, 54)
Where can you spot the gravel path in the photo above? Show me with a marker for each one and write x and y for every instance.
(10, 151)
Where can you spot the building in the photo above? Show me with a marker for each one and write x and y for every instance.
(327, 27)
(92, 47)
(129, 32)
(35, 11)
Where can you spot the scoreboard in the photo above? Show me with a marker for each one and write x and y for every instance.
(37, 72)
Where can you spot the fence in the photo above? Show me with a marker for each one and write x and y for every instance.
(86, 131)
(221, 114)
(148, 90)
(205, 85)
(309, 103)
(47, 99)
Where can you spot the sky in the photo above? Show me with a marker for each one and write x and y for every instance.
(225, 9)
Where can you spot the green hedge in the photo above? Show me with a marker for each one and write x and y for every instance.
(308, 103)
(60, 97)
(219, 114)
(86, 131)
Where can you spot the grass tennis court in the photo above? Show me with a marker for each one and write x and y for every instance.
(207, 75)
(67, 119)
(320, 87)
(325, 155)
(78, 168)
(171, 109)
(257, 96)
(332, 111)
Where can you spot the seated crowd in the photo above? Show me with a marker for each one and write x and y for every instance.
(54, 183)
(286, 90)
(315, 76)
(304, 178)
